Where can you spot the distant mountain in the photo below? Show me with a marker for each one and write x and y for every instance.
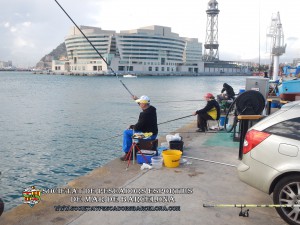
(46, 61)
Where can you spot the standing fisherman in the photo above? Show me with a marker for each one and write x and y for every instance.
(147, 123)
(226, 93)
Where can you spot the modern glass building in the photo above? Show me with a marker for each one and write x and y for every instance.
(147, 50)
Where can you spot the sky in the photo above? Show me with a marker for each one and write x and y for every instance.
(30, 29)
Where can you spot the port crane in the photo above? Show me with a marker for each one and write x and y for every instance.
(277, 47)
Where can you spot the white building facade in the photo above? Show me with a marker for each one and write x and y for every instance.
(6, 65)
(148, 50)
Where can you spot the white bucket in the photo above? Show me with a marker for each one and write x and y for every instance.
(156, 162)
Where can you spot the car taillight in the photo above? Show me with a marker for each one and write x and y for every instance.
(252, 139)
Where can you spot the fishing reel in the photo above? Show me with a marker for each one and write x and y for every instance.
(244, 213)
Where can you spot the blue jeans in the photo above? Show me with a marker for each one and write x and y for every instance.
(127, 139)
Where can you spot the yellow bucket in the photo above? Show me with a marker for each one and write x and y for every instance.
(171, 158)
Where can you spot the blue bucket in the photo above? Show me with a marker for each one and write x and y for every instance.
(222, 121)
(274, 105)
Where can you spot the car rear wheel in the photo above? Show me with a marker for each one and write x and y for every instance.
(287, 192)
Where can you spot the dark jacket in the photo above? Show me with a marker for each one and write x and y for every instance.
(229, 91)
(210, 104)
(147, 121)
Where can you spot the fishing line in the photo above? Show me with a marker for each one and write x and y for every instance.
(95, 49)
(210, 161)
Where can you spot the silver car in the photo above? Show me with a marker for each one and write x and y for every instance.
(271, 159)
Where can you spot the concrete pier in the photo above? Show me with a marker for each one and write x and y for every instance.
(177, 193)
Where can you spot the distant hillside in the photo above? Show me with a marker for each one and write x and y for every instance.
(46, 61)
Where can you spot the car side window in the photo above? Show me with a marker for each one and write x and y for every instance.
(289, 128)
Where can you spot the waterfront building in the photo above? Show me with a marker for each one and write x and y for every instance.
(150, 50)
(296, 62)
(6, 65)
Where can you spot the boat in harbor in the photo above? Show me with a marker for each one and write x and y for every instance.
(289, 84)
(288, 89)
(291, 71)
(129, 76)
(287, 77)
(129, 68)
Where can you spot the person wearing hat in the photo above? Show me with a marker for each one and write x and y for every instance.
(227, 93)
(210, 112)
(147, 123)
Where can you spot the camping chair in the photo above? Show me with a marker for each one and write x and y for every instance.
(217, 120)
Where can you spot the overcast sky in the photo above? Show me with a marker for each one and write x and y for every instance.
(29, 29)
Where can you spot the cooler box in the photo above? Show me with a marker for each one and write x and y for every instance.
(148, 154)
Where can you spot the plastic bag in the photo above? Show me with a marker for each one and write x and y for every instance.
(175, 137)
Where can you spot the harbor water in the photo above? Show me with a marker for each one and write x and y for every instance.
(55, 128)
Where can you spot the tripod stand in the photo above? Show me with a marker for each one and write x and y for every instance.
(131, 152)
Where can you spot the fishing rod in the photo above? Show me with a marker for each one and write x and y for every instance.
(190, 132)
(193, 100)
(95, 49)
(246, 212)
(166, 132)
(118, 135)
(251, 205)
(174, 119)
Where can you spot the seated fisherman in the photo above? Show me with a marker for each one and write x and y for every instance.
(147, 123)
(226, 93)
(210, 112)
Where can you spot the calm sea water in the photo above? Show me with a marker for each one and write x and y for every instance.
(54, 128)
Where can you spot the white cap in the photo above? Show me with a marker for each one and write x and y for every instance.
(143, 99)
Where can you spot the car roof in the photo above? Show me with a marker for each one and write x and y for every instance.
(287, 111)
(290, 105)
